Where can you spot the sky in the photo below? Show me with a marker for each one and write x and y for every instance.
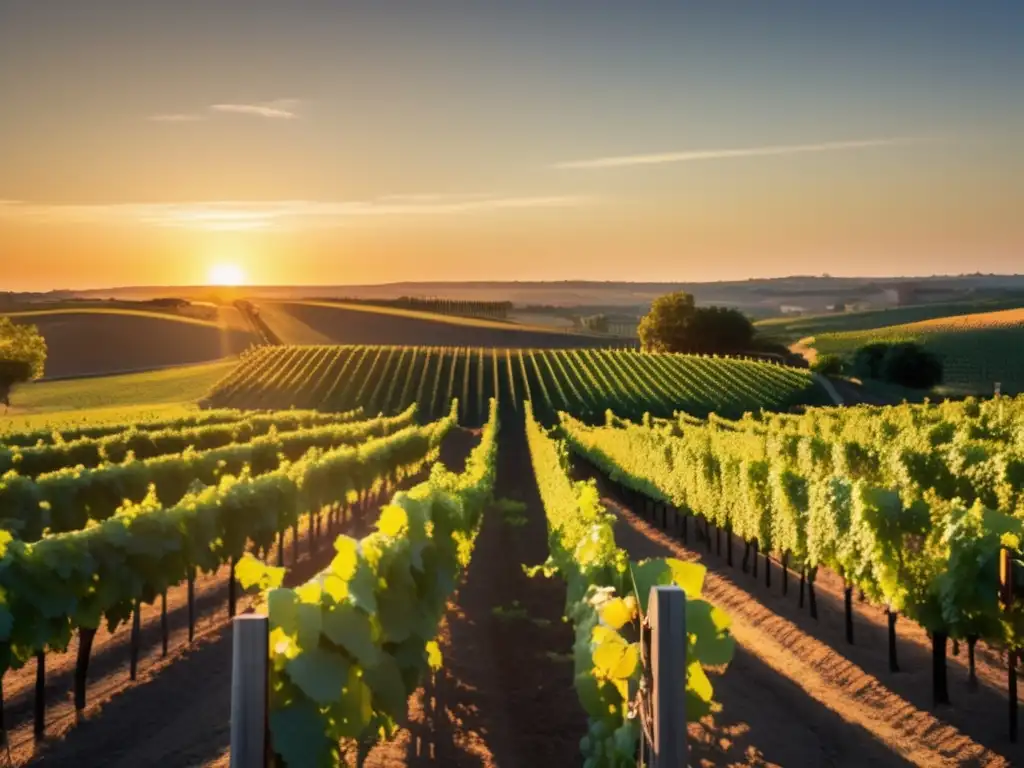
(337, 142)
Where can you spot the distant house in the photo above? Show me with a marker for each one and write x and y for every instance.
(792, 309)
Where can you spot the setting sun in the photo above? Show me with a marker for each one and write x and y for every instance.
(226, 275)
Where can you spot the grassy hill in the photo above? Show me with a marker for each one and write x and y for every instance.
(104, 399)
(100, 340)
(322, 322)
(790, 329)
(977, 349)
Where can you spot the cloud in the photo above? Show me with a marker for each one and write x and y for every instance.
(278, 214)
(177, 117)
(279, 109)
(724, 154)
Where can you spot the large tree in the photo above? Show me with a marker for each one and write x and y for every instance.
(676, 324)
(22, 356)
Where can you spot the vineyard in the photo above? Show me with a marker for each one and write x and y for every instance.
(584, 382)
(918, 508)
(399, 588)
(977, 350)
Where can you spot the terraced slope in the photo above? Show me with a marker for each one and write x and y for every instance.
(584, 382)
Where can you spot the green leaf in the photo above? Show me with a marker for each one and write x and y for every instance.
(362, 588)
(687, 576)
(299, 734)
(386, 685)
(350, 628)
(434, 659)
(344, 564)
(281, 608)
(712, 645)
(250, 572)
(309, 622)
(393, 520)
(616, 613)
(647, 574)
(320, 674)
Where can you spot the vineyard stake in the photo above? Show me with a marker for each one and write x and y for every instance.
(728, 545)
(745, 566)
(39, 719)
(191, 603)
(940, 690)
(134, 661)
(785, 572)
(803, 581)
(754, 569)
(893, 616)
(718, 540)
(767, 570)
(812, 598)
(667, 617)
(972, 679)
(231, 590)
(250, 736)
(85, 637)
(707, 534)
(848, 600)
(163, 623)
(280, 548)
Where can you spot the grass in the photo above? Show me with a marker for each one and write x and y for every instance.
(789, 329)
(977, 350)
(118, 414)
(35, 313)
(415, 314)
(104, 395)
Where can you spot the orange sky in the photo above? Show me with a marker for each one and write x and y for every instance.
(149, 143)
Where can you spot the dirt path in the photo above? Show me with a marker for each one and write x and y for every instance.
(797, 694)
(505, 696)
(177, 712)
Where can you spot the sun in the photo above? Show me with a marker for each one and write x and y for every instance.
(226, 275)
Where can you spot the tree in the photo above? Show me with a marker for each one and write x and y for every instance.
(675, 324)
(904, 363)
(828, 365)
(22, 356)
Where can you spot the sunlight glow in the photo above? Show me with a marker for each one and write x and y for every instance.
(226, 275)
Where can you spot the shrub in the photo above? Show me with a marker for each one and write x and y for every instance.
(829, 365)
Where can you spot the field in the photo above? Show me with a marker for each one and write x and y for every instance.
(790, 329)
(309, 322)
(583, 381)
(102, 341)
(977, 349)
(808, 682)
(101, 398)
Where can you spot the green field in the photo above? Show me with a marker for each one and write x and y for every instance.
(112, 398)
(976, 350)
(791, 329)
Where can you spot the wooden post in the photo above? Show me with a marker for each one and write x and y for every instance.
(250, 735)
(191, 603)
(133, 661)
(39, 720)
(231, 591)
(666, 612)
(163, 623)
(85, 637)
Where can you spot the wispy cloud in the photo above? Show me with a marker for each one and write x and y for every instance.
(178, 117)
(279, 214)
(621, 161)
(279, 109)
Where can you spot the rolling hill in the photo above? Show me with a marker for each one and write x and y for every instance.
(977, 349)
(100, 341)
(321, 322)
